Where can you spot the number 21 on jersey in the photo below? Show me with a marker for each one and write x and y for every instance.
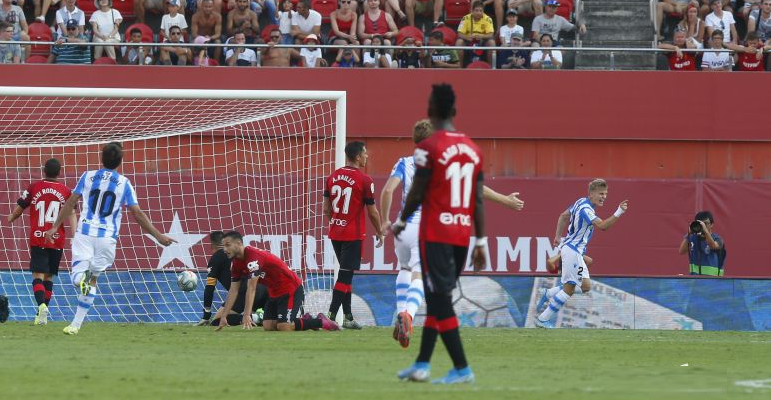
(337, 193)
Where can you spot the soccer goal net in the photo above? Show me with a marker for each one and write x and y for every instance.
(200, 161)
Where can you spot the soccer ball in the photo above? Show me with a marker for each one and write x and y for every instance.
(187, 280)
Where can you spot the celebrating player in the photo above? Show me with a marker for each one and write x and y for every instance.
(409, 284)
(581, 221)
(347, 193)
(448, 185)
(46, 196)
(285, 290)
(93, 245)
(219, 270)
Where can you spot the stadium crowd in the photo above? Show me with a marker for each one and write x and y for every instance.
(408, 24)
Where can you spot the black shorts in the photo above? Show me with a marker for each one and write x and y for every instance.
(260, 297)
(348, 254)
(441, 265)
(284, 308)
(45, 261)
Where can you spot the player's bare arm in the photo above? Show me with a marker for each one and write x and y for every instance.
(510, 201)
(414, 198)
(148, 227)
(562, 222)
(610, 221)
(223, 312)
(386, 198)
(65, 212)
(17, 212)
(479, 257)
(327, 208)
(374, 218)
(251, 289)
(73, 223)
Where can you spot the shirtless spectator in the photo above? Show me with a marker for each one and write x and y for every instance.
(693, 26)
(173, 18)
(343, 22)
(67, 12)
(525, 7)
(239, 15)
(375, 21)
(241, 56)
(444, 58)
(678, 60)
(14, 15)
(278, 57)
(9, 53)
(207, 23)
(669, 7)
(760, 22)
(551, 23)
(720, 20)
(305, 22)
(140, 6)
(175, 55)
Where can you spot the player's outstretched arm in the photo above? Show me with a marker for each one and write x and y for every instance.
(610, 221)
(251, 289)
(17, 212)
(479, 257)
(562, 222)
(223, 312)
(510, 201)
(148, 227)
(414, 198)
(386, 198)
(65, 212)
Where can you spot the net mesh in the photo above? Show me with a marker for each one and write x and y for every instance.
(257, 166)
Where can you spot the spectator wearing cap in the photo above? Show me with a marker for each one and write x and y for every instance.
(530, 7)
(239, 15)
(514, 59)
(136, 55)
(713, 61)
(551, 23)
(546, 58)
(719, 20)
(175, 55)
(476, 29)
(376, 22)
(241, 56)
(679, 61)
(343, 22)
(173, 18)
(105, 22)
(409, 56)
(511, 28)
(311, 55)
(441, 58)
(207, 23)
(14, 15)
(9, 53)
(275, 56)
(201, 53)
(64, 54)
(760, 21)
(376, 58)
(67, 12)
(346, 59)
(305, 22)
(156, 5)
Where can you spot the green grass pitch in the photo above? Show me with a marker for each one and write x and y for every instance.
(154, 361)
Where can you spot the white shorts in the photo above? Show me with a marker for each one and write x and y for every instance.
(407, 248)
(92, 253)
(574, 269)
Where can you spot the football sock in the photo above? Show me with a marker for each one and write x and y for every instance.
(402, 284)
(304, 325)
(553, 291)
(428, 339)
(49, 286)
(347, 299)
(342, 287)
(555, 304)
(448, 328)
(578, 290)
(414, 296)
(84, 304)
(39, 290)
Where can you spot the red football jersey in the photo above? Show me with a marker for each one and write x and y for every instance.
(350, 191)
(750, 62)
(455, 163)
(46, 198)
(273, 272)
(685, 63)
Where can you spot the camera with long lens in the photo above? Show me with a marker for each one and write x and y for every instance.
(695, 227)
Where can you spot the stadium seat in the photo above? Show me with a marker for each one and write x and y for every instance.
(104, 61)
(409, 31)
(479, 65)
(265, 32)
(324, 7)
(454, 10)
(37, 59)
(40, 32)
(450, 36)
(147, 33)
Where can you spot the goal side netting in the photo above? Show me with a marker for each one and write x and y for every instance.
(200, 161)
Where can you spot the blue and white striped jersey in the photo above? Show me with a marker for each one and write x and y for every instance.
(405, 170)
(104, 192)
(580, 228)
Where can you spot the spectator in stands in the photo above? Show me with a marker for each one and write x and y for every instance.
(551, 23)
(278, 57)
(749, 7)
(546, 59)
(716, 61)
(207, 23)
(61, 54)
(751, 57)
(706, 249)
(422, 7)
(409, 55)
(498, 9)
(269, 6)
(377, 58)
(444, 58)
(723, 21)
(239, 15)
(346, 59)
(669, 6)
(311, 56)
(532, 7)
(9, 53)
(67, 12)
(173, 18)
(511, 27)
(514, 59)
(217, 6)
(305, 22)
(175, 55)
(41, 9)
(343, 23)
(760, 22)
(393, 8)
(374, 22)
(476, 29)
(105, 22)
(14, 15)
(200, 53)
(133, 55)
(679, 61)
(241, 56)
(693, 26)
(157, 5)
(285, 21)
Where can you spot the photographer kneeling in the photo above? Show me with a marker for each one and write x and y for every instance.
(706, 250)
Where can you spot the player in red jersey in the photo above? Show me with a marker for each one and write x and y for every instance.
(46, 197)
(348, 192)
(448, 185)
(285, 290)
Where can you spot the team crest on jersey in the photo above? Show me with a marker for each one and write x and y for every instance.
(421, 157)
(372, 187)
(24, 194)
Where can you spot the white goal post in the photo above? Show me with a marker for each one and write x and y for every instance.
(200, 161)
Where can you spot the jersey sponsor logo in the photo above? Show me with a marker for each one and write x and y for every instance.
(338, 222)
(458, 149)
(40, 234)
(421, 157)
(455, 219)
(253, 266)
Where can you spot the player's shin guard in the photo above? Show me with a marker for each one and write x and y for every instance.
(49, 287)
(39, 290)
(84, 304)
(414, 297)
(555, 305)
(402, 285)
(448, 327)
(342, 287)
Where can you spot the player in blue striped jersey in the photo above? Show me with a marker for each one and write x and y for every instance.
(104, 192)
(581, 220)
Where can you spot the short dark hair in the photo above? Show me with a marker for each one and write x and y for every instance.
(702, 215)
(216, 237)
(438, 35)
(306, 3)
(478, 3)
(546, 34)
(752, 36)
(135, 30)
(4, 25)
(443, 99)
(52, 167)
(353, 149)
(234, 235)
(717, 32)
(112, 155)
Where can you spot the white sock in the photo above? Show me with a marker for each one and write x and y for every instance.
(553, 291)
(84, 304)
(414, 297)
(402, 285)
(555, 304)
(76, 279)
(578, 290)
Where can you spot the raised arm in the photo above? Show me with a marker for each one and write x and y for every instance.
(510, 201)
(147, 226)
(610, 221)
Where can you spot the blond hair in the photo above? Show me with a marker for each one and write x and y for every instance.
(422, 130)
(597, 184)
